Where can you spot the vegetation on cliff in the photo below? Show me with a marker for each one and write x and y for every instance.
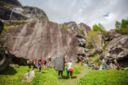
(122, 27)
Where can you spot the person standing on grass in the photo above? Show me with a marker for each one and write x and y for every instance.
(39, 65)
(43, 63)
(69, 69)
(59, 66)
(49, 63)
(35, 62)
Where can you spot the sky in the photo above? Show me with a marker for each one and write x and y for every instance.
(89, 12)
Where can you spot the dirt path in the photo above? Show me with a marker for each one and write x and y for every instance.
(84, 71)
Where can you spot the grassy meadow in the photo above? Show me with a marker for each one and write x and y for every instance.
(84, 76)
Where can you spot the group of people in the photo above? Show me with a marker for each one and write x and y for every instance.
(60, 63)
(40, 63)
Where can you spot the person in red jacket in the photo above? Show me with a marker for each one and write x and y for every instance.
(43, 62)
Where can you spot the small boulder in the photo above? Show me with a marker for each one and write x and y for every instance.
(28, 77)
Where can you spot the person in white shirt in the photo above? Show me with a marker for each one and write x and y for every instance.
(69, 69)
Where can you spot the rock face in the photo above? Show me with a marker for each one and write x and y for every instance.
(12, 10)
(42, 38)
(9, 8)
(112, 34)
(33, 12)
(39, 37)
(118, 48)
(12, 2)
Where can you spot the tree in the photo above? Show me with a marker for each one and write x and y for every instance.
(118, 25)
(124, 24)
(99, 28)
(122, 27)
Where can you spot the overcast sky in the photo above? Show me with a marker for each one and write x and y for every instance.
(90, 12)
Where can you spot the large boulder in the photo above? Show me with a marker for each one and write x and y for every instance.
(4, 59)
(42, 38)
(29, 76)
(39, 37)
(112, 34)
(118, 49)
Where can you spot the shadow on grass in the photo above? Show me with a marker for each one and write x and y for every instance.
(65, 77)
(9, 71)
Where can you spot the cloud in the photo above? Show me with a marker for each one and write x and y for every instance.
(87, 11)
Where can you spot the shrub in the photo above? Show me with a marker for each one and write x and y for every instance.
(99, 28)
(94, 39)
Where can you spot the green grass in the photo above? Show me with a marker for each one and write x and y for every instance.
(46, 77)
(13, 76)
(77, 69)
(105, 77)
(49, 77)
(85, 76)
